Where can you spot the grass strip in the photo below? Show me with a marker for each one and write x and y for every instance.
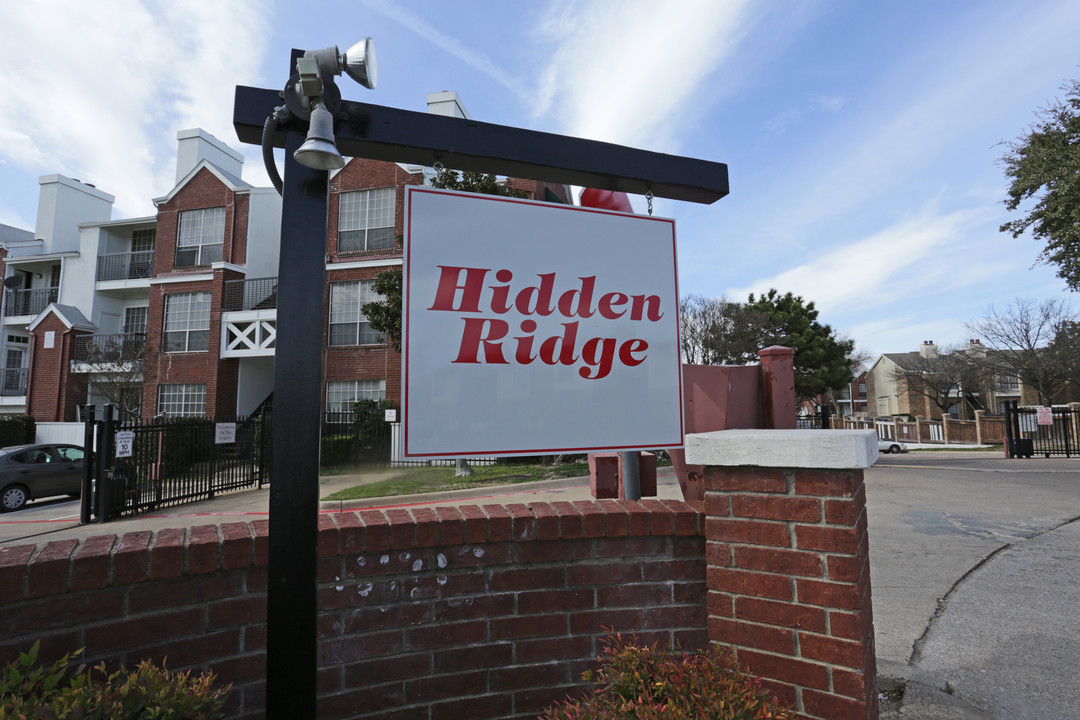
(418, 480)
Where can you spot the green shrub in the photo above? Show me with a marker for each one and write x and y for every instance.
(643, 683)
(17, 430)
(337, 451)
(150, 692)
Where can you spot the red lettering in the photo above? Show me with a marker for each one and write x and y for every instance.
(474, 335)
(449, 284)
(566, 353)
(582, 297)
(652, 311)
(627, 350)
(500, 295)
(541, 295)
(598, 353)
(609, 302)
(524, 354)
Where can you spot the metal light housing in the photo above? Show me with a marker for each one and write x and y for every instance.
(319, 151)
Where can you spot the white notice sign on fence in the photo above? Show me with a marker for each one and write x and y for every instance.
(1046, 416)
(125, 442)
(224, 433)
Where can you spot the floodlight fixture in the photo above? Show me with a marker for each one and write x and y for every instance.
(358, 62)
(319, 151)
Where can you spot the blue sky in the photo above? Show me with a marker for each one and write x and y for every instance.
(862, 138)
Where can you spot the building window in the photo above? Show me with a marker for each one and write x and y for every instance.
(200, 236)
(187, 322)
(883, 406)
(182, 399)
(1005, 383)
(341, 395)
(143, 240)
(366, 220)
(348, 326)
(862, 389)
(135, 320)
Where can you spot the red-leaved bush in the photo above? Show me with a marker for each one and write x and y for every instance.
(644, 683)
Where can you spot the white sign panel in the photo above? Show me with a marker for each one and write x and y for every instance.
(125, 442)
(50, 339)
(1045, 416)
(224, 433)
(537, 328)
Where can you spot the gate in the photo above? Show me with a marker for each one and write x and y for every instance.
(1055, 432)
(135, 466)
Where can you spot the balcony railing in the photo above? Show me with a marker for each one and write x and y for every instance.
(125, 266)
(123, 348)
(13, 382)
(254, 294)
(29, 302)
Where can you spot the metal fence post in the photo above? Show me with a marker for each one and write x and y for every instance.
(86, 497)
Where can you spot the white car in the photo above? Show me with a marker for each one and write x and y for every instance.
(891, 446)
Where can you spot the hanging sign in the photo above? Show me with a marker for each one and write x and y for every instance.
(1045, 416)
(534, 328)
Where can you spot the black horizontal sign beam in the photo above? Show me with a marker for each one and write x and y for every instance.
(418, 138)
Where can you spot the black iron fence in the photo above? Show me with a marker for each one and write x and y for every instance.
(361, 436)
(253, 294)
(119, 348)
(13, 382)
(29, 302)
(125, 266)
(1042, 431)
(143, 465)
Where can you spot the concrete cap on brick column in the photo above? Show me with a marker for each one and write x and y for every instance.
(832, 449)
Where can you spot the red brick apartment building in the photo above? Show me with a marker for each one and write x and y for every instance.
(183, 304)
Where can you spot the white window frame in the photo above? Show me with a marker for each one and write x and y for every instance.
(341, 395)
(348, 324)
(187, 399)
(366, 220)
(187, 315)
(200, 236)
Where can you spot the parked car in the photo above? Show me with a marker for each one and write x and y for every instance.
(891, 446)
(29, 472)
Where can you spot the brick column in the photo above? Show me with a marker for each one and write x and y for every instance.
(789, 564)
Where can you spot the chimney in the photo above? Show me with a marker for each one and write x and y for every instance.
(63, 203)
(928, 349)
(975, 347)
(196, 145)
(447, 103)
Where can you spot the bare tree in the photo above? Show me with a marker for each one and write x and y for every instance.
(1033, 340)
(113, 365)
(718, 331)
(950, 371)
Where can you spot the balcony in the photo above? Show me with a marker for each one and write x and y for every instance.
(125, 349)
(29, 302)
(13, 382)
(125, 266)
(253, 294)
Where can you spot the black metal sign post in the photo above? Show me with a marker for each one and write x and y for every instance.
(381, 133)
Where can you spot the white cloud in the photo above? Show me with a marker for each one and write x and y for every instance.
(896, 261)
(815, 103)
(622, 72)
(99, 90)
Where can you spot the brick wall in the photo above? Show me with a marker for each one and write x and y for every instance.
(789, 583)
(422, 610)
(52, 394)
(500, 607)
